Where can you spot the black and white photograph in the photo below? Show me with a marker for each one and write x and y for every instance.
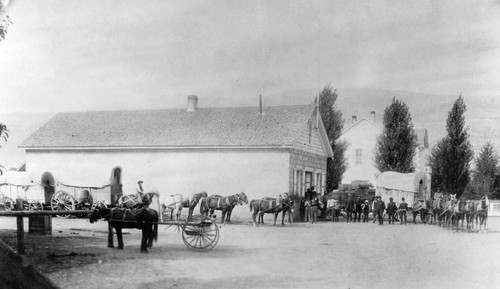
(249, 144)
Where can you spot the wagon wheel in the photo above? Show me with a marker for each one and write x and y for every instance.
(62, 201)
(7, 205)
(35, 206)
(200, 235)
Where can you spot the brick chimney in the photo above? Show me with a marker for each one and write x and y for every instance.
(192, 103)
(373, 116)
(354, 119)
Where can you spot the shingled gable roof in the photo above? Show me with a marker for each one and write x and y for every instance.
(243, 126)
(364, 119)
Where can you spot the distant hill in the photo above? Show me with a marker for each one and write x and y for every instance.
(429, 111)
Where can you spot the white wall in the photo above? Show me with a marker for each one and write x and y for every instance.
(257, 173)
(363, 136)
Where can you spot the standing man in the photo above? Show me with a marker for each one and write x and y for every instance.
(375, 208)
(349, 207)
(403, 207)
(380, 211)
(357, 213)
(391, 210)
(366, 211)
(139, 192)
(307, 204)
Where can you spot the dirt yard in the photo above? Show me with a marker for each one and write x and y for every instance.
(300, 255)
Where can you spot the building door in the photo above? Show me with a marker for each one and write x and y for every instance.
(309, 180)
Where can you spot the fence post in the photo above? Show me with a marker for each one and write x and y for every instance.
(20, 235)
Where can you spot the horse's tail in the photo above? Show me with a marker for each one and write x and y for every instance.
(155, 231)
(251, 205)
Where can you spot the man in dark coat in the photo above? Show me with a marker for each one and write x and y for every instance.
(366, 210)
(349, 207)
(357, 210)
(391, 210)
(403, 207)
(380, 211)
(375, 209)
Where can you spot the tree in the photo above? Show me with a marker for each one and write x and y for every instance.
(4, 132)
(396, 146)
(4, 24)
(450, 159)
(436, 162)
(334, 124)
(486, 171)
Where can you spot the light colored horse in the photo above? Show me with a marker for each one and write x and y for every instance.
(448, 208)
(481, 215)
(172, 204)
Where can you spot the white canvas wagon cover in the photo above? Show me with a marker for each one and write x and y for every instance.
(403, 182)
(15, 178)
(399, 185)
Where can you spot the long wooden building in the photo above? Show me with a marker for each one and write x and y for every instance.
(262, 151)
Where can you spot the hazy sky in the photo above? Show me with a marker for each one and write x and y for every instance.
(122, 54)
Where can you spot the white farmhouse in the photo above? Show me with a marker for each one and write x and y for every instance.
(361, 136)
(262, 151)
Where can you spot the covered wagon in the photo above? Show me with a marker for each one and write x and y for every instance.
(411, 186)
(19, 188)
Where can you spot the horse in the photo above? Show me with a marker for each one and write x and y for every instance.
(272, 206)
(121, 218)
(447, 211)
(436, 209)
(470, 212)
(420, 207)
(481, 215)
(458, 213)
(223, 204)
(191, 202)
(172, 203)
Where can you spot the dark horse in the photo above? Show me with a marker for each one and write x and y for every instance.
(271, 206)
(224, 204)
(120, 218)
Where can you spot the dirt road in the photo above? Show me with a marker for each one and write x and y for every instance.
(301, 255)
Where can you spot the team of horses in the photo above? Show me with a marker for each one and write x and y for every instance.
(146, 211)
(268, 205)
(449, 212)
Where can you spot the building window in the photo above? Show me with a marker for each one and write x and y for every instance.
(359, 156)
(308, 180)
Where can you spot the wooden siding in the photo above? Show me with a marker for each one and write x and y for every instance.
(306, 161)
(316, 145)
